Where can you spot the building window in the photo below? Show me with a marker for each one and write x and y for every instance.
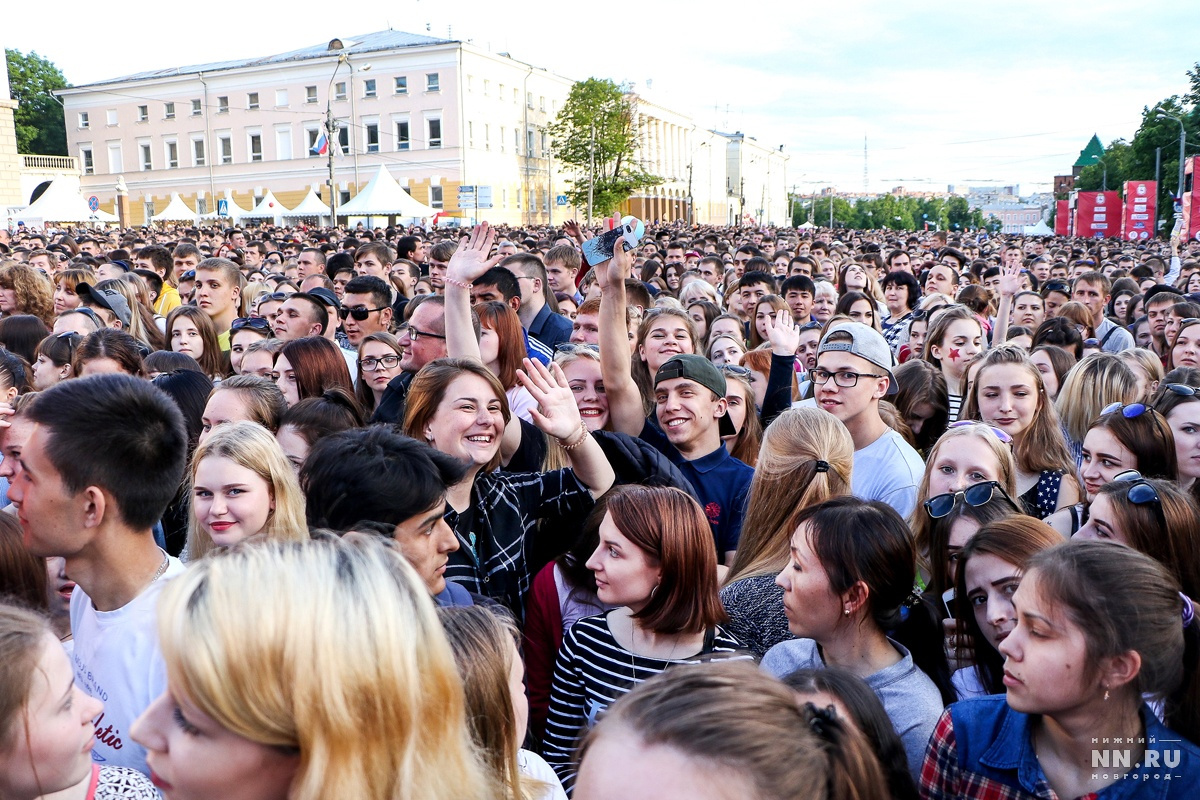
(222, 105)
(198, 152)
(256, 153)
(172, 155)
(343, 198)
(226, 145)
(516, 141)
(470, 134)
(281, 98)
(143, 113)
(148, 209)
(339, 90)
(147, 163)
(487, 88)
(369, 87)
(372, 130)
(529, 99)
(84, 121)
(283, 144)
(542, 103)
(435, 197)
(432, 82)
(312, 135)
(503, 136)
(201, 205)
(168, 111)
(197, 108)
(545, 143)
(344, 137)
(310, 94)
(116, 164)
(403, 138)
(251, 101)
(112, 116)
(487, 137)
(85, 156)
(401, 84)
(529, 142)
(435, 134)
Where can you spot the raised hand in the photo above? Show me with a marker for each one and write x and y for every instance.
(571, 228)
(783, 334)
(471, 259)
(1010, 281)
(556, 414)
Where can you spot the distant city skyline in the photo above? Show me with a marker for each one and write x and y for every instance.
(1006, 95)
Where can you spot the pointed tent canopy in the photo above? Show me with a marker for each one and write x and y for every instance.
(268, 208)
(806, 225)
(234, 213)
(384, 197)
(62, 203)
(1041, 229)
(310, 206)
(176, 211)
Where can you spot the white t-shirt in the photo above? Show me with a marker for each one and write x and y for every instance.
(534, 766)
(888, 470)
(117, 659)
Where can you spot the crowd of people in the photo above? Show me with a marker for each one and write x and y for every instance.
(768, 513)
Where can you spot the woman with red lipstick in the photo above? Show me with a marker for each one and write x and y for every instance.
(242, 485)
(1101, 630)
(46, 731)
(990, 566)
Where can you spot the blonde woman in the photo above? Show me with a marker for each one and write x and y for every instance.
(307, 671)
(1095, 383)
(806, 458)
(485, 649)
(242, 485)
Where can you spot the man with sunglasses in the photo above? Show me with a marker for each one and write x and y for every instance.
(853, 373)
(366, 308)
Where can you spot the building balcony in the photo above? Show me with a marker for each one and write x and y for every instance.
(52, 163)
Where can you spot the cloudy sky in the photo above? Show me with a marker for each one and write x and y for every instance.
(945, 92)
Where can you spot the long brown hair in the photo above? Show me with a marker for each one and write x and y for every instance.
(500, 317)
(670, 527)
(428, 389)
(317, 365)
(362, 391)
(788, 478)
(213, 361)
(22, 634)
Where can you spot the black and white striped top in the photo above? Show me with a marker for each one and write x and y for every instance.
(592, 672)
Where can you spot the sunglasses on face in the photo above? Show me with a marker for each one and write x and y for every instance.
(977, 495)
(359, 313)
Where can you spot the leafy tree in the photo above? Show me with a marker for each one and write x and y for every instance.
(595, 135)
(39, 116)
(959, 216)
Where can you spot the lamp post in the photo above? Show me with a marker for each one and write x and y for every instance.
(1182, 145)
(330, 133)
(1104, 182)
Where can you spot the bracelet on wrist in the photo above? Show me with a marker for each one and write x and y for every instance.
(459, 284)
(582, 438)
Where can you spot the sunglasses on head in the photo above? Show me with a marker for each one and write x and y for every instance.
(1131, 411)
(1000, 434)
(1181, 389)
(358, 312)
(575, 347)
(1142, 493)
(977, 495)
(253, 323)
(735, 369)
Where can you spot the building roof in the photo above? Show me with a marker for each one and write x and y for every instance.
(354, 45)
(1089, 154)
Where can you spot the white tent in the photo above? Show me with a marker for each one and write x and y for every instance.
(62, 203)
(1041, 229)
(384, 197)
(310, 206)
(176, 211)
(806, 225)
(268, 208)
(234, 212)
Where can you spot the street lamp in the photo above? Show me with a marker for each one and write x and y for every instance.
(1104, 183)
(1182, 143)
(330, 133)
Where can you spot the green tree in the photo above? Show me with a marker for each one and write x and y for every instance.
(595, 135)
(844, 214)
(1119, 160)
(959, 216)
(39, 116)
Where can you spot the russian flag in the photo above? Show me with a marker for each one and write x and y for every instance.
(322, 145)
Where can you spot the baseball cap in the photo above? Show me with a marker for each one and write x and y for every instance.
(702, 371)
(864, 342)
(110, 299)
(325, 296)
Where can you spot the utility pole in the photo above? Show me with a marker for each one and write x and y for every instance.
(330, 132)
(591, 172)
(1157, 173)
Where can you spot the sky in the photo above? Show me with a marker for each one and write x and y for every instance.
(944, 92)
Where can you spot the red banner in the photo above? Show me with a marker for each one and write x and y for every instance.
(1062, 218)
(1098, 214)
(1141, 202)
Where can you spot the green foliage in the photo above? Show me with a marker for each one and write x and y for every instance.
(39, 116)
(595, 135)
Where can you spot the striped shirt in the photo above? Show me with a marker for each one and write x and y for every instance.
(592, 672)
(505, 507)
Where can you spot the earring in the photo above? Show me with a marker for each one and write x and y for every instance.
(1106, 694)
(846, 611)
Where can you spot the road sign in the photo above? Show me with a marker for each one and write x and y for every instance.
(94, 203)
(223, 208)
(561, 200)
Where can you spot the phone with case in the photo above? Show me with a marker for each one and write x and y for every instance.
(600, 248)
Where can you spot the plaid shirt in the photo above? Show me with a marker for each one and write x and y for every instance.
(490, 559)
(983, 750)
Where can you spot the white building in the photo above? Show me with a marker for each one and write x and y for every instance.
(437, 113)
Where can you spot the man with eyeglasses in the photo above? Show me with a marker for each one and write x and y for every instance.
(365, 308)
(853, 373)
(423, 338)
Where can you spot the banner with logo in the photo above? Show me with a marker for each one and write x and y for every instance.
(1098, 214)
(1062, 218)
(1141, 202)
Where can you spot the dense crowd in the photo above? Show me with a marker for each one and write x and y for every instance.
(770, 513)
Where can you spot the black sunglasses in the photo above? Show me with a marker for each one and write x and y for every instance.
(358, 312)
(1142, 493)
(976, 495)
(253, 323)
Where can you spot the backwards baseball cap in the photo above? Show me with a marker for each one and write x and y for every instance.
(865, 342)
(110, 299)
(702, 371)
